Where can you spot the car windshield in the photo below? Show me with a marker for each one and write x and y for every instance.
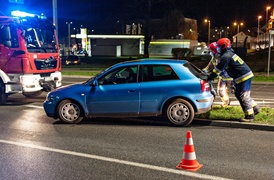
(94, 77)
(195, 70)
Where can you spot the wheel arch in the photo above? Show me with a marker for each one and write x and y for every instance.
(83, 112)
(4, 77)
(166, 104)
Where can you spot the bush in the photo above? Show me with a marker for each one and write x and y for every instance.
(181, 53)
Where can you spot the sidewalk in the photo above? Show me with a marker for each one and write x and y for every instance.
(235, 124)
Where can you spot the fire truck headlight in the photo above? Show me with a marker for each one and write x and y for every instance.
(27, 81)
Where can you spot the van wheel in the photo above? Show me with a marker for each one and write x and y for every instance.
(3, 95)
(180, 112)
(69, 112)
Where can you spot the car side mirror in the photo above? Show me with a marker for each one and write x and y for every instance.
(6, 36)
(94, 83)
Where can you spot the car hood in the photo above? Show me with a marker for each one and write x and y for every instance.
(70, 88)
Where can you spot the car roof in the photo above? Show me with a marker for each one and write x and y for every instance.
(153, 61)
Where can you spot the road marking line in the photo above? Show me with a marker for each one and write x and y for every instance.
(34, 106)
(102, 158)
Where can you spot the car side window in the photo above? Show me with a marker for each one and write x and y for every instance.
(158, 73)
(120, 75)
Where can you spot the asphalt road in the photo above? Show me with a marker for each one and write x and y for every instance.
(34, 146)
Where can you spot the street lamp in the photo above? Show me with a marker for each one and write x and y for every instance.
(238, 26)
(69, 23)
(258, 31)
(266, 16)
(208, 37)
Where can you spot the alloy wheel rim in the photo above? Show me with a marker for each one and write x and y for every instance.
(70, 112)
(179, 113)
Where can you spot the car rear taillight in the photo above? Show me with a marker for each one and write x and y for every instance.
(205, 86)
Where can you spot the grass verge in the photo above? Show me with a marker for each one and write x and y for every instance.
(234, 113)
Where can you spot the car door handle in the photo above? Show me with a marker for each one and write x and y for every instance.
(131, 91)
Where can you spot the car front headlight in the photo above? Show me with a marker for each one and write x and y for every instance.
(47, 97)
(50, 97)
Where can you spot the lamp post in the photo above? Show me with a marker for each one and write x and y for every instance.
(55, 18)
(258, 30)
(69, 23)
(266, 16)
(238, 26)
(208, 35)
(227, 31)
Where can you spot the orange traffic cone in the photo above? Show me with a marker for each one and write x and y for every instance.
(189, 161)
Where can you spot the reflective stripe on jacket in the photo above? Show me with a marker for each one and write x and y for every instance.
(234, 66)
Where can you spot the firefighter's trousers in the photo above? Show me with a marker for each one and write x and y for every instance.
(242, 93)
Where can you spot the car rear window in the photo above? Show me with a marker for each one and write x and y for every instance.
(195, 70)
(158, 73)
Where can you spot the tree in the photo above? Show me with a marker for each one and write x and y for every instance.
(140, 10)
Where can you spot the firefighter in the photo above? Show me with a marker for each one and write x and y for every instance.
(224, 80)
(242, 76)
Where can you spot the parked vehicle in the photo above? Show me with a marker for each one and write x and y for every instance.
(73, 60)
(29, 56)
(206, 55)
(82, 52)
(175, 89)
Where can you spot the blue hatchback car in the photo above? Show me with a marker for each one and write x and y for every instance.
(175, 89)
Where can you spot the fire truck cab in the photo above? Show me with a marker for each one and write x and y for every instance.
(29, 55)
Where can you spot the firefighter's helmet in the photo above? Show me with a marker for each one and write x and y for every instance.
(224, 43)
(213, 48)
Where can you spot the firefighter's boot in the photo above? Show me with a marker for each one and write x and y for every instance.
(247, 118)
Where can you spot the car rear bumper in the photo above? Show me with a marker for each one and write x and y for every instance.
(205, 105)
(206, 100)
(203, 110)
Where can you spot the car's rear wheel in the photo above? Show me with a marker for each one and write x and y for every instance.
(69, 112)
(180, 112)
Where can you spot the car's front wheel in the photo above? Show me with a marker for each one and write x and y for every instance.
(180, 112)
(69, 112)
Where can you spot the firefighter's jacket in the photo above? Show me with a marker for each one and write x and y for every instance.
(235, 67)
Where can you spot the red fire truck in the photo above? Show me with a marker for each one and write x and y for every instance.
(29, 56)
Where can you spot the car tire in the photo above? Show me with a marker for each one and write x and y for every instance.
(69, 112)
(3, 95)
(180, 112)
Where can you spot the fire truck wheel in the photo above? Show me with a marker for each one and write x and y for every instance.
(3, 95)
(32, 94)
(70, 112)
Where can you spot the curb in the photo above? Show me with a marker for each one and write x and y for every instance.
(235, 124)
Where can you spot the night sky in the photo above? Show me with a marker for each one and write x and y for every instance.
(95, 14)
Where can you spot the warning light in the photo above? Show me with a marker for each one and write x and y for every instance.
(21, 14)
